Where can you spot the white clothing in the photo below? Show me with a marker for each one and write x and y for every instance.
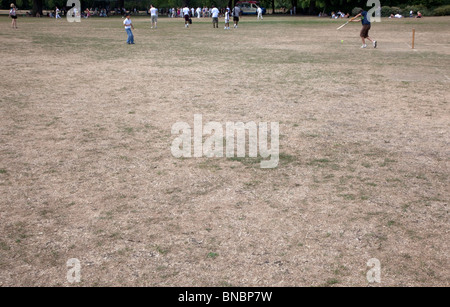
(215, 13)
(127, 23)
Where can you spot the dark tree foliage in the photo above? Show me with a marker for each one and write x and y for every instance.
(37, 7)
(306, 7)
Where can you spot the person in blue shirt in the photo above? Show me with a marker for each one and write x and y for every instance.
(365, 28)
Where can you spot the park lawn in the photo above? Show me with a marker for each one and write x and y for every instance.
(86, 169)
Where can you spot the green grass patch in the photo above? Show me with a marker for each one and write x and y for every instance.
(212, 255)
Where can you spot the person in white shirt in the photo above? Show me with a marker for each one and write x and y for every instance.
(215, 17)
(186, 17)
(192, 12)
(227, 19)
(260, 15)
(199, 12)
(57, 11)
(128, 26)
(154, 16)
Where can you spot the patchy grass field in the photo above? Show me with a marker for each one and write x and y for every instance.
(86, 169)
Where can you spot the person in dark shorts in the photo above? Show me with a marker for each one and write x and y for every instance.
(236, 14)
(13, 15)
(186, 11)
(215, 17)
(366, 25)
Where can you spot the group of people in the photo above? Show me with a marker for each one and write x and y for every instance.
(411, 15)
(104, 12)
(204, 12)
(337, 15)
(236, 12)
(186, 12)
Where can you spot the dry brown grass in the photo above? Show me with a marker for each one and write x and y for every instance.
(86, 170)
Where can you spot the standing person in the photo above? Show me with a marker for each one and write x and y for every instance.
(365, 28)
(260, 11)
(215, 17)
(236, 14)
(57, 11)
(199, 12)
(186, 17)
(13, 15)
(192, 12)
(227, 19)
(154, 16)
(128, 26)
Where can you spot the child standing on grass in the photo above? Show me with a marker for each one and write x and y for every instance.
(128, 26)
(227, 19)
(365, 29)
(13, 15)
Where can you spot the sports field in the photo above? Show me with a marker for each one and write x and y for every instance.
(86, 169)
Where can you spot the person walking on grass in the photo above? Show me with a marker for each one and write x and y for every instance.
(186, 17)
(215, 17)
(260, 13)
(154, 16)
(236, 14)
(57, 13)
(366, 25)
(128, 26)
(13, 15)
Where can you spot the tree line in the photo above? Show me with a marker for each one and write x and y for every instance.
(304, 7)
